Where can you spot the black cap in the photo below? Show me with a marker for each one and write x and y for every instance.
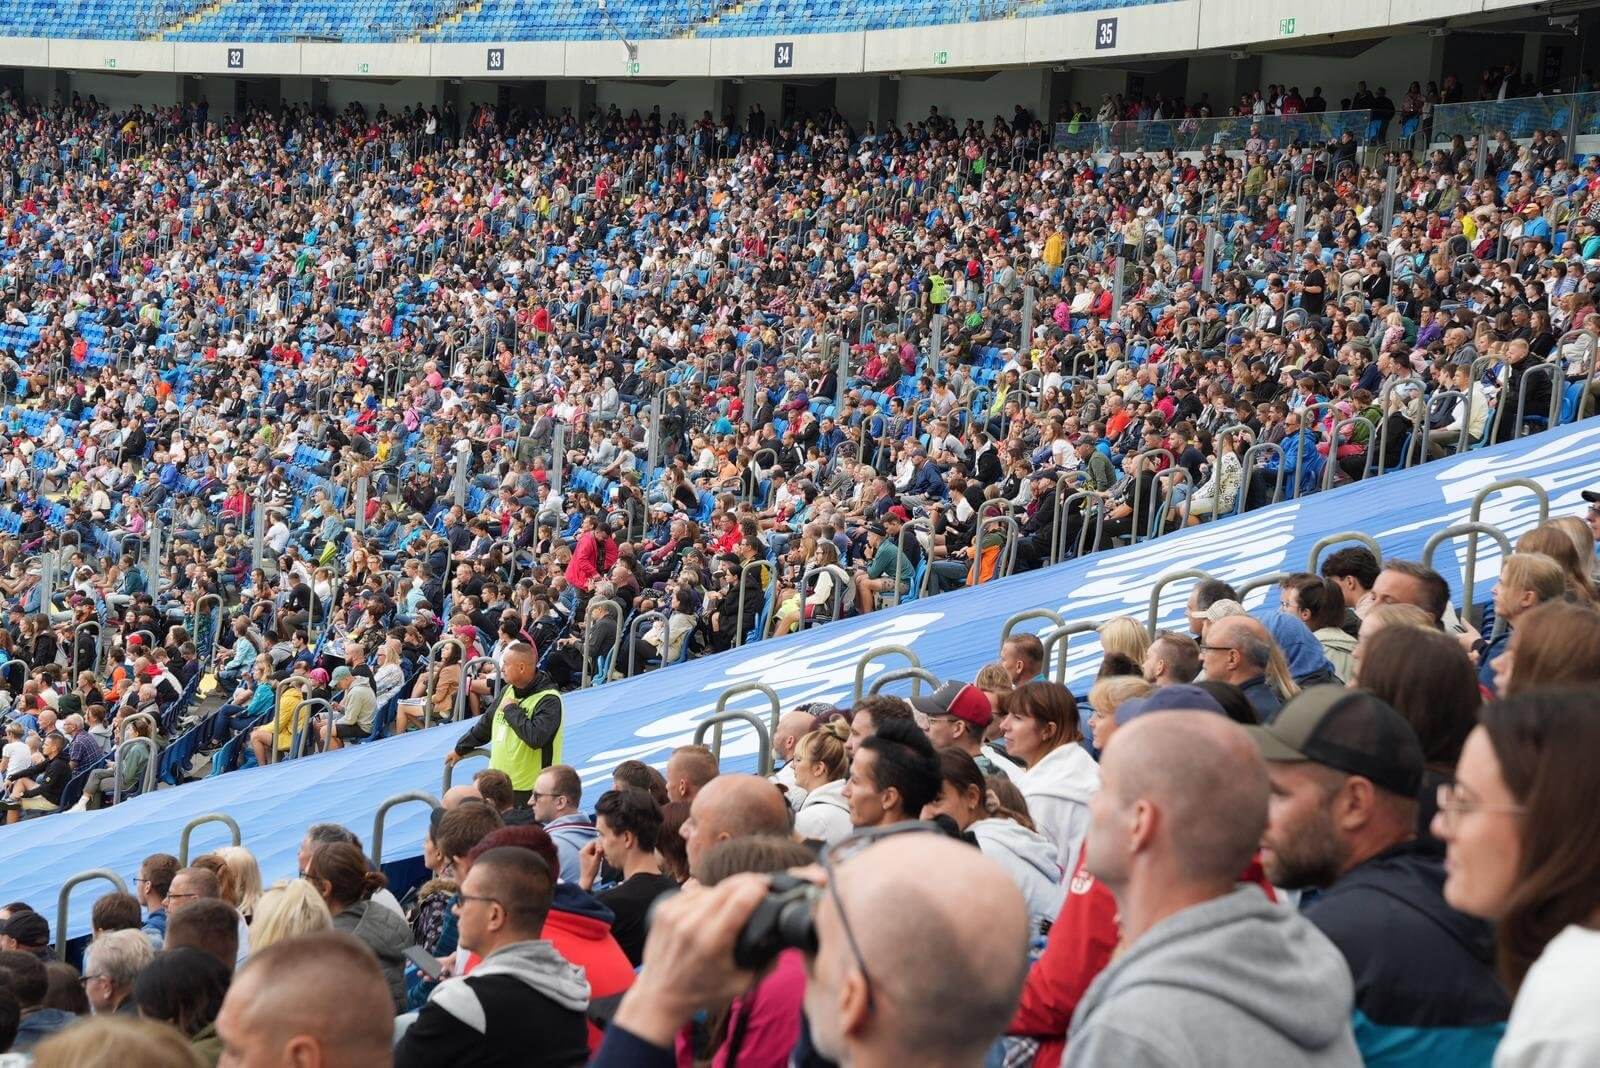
(1592, 496)
(1347, 730)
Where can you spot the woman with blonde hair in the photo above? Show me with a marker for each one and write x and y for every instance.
(1550, 540)
(1105, 697)
(246, 877)
(288, 910)
(1124, 636)
(1583, 540)
(820, 765)
(116, 1040)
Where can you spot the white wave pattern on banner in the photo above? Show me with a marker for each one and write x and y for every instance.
(822, 668)
(1558, 466)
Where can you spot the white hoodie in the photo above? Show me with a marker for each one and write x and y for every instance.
(1030, 859)
(825, 814)
(1058, 789)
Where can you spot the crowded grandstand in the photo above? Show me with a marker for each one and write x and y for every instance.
(1109, 582)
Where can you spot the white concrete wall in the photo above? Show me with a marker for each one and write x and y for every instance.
(1177, 27)
(963, 99)
(120, 91)
(1393, 63)
(686, 97)
(406, 93)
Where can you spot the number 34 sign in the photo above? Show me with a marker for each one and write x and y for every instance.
(1105, 33)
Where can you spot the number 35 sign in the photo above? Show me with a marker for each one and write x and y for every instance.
(1105, 33)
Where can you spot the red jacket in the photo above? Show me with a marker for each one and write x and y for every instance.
(586, 942)
(587, 562)
(1081, 943)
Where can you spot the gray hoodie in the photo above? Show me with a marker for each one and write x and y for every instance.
(1235, 981)
(387, 934)
(536, 965)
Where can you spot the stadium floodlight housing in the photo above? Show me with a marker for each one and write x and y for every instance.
(611, 23)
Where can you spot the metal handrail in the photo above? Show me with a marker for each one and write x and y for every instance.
(1019, 618)
(1245, 589)
(738, 620)
(742, 688)
(65, 895)
(303, 712)
(460, 710)
(1247, 476)
(1007, 560)
(150, 766)
(634, 639)
(382, 814)
(875, 653)
(842, 580)
(917, 676)
(1062, 636)
(1162, 583)
(1469, 572)
(433, 667)
(763, 738)
(450, 769)
(1334, 539)
(200, 821)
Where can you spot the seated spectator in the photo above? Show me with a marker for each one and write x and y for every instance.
(315, 999)
(1200, 792)
(152, 884)
(689, 769)
(821, 766)
(1238, 649)
(27, 931)
(346, 881)
(1527, 580)
(114, 912)
(894, 775)
(212, 926)
(30, 982)
(288, 910)
(1554, 645)
(629, 824)
(1042, 731)
(185, 987)
(117, 1041)
(1346, 771)
(1521, 851)
(1406, 582)
(112, 964)
(557, 795)
(523, 1004)
(959, 715)
(732, 806)
(1172, 658)
(1319, 604)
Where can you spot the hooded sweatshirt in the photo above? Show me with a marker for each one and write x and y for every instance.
(571, 834)
(523, 1006)
(1058, 789)
(386, 934)
(1233, 981)
(580, 929)
(1030, 859)
(824, 815)
(1340, 648)
(1308, 664)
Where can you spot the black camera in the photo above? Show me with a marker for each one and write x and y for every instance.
(783, 920)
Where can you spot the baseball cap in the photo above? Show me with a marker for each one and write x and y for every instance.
(340, 673)
(1179, 697)
(29, 929)
(1592, 496)
(319, 676)
(962, 700)
(899, 512)
(1347, 730)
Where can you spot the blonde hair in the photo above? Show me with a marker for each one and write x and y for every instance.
(1124, 635)
(1109, 693)
(1278, 673)
(1554, 542)
(993, 678)
(114, 1041)
(1534, 573)
(825, 745)
(1396, 615)
(1583, 540)
(286, 911)
(246, 875)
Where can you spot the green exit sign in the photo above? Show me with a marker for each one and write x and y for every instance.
(363, 68)
(633, 68)
(111, 63)
(1286, 27)
(941, 57)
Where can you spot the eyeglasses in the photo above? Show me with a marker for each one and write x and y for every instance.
(178, 897)
(1218, 648)
(462, 899)
(1453, 804)
(537, 795)
(851, 846)
(84, 979)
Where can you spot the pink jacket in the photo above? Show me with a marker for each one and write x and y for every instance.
(767, 1019)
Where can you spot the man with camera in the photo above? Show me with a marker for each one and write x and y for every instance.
(901, 970)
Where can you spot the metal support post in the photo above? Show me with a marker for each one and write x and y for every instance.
(363, 488)
(153, 534)
(1389, 183)
(1210, 240)
(653, 435)
(1116, 286)
(1028, 296)
(458, 485)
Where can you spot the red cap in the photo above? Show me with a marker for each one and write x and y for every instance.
(899, 512)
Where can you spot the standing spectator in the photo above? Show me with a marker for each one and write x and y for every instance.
(557, 793)
(1042, 730)
(318, 999)
(1522, 852)
(1346, 770)
(629, 824)
(523, 731)
(523, 1005)
(1182, 806)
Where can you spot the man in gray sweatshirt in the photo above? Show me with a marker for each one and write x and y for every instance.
(1212, 973)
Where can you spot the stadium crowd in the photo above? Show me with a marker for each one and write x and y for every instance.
(1346, 829)
(523, 403)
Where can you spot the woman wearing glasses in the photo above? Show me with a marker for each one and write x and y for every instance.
(1523, 850)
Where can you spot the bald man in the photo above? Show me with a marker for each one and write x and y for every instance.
(317, 1001)
(733, 806)
(1237, 649)
(792, 726)
(1211, 972)
(944, 975)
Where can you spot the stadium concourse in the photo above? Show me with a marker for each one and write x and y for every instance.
(343, 448)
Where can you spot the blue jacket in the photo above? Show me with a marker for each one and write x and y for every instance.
(1426, 990)
(1302, 463)
(39, 1025)
(571, 834)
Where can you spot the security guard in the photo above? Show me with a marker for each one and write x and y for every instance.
(524, 730)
